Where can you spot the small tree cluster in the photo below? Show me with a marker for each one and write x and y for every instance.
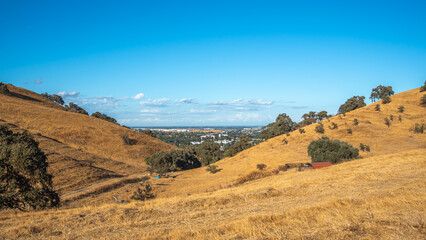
(349, 131)
(285, 141)
(24, 181)
(319, 128)
(419, 128)
(212, 169)
(54, 97)
(301, 130)
(400, 118)
(104, 117)
(333, 151)
(166, 161)
(401, 109)
(364, 147)
(149, 132)
(3, 89)
(381, 92)
(352, 103)
(72, 107)
(242, 144)
(423, 101)
(283, 124)
(208, 153)
(313, 117)
(143, 194)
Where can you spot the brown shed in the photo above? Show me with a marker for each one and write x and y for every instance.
(317, 165)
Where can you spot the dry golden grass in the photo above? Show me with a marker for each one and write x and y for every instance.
(381, 197)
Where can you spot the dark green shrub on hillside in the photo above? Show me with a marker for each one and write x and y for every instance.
(301, 130)
(283, 124)
(24, 181)
(381, 92)
(400, 118)
(212, 169)
(72, 107)
(352, 104)
(419, 128)
(333, 126)
(391, 117)
(387, 122)
(54, 97)
(401, 109)
(143, 194)
(377, 108)
(285, 141)
(333, 151)
(319, 128)
(423, 101)
(165, 161)
(242, 144)
(349, 131)
(261, 166)
(423, 88)
(364, 147)
(149, 132)
(3, 89)
(104, 117)
(356, 122)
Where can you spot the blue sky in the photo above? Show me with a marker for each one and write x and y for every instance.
(180, 63)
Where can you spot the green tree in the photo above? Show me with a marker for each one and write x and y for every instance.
(24, 181)
(3, 89)
(208, 153)
(283, 124)
(149, 132)
(242, 144)
(381, 92)
(423, 101)
(54, 97)
(401, 109)
(333, 151)
(352, 104)
(166, 161)
(319, 128)
(423, 88)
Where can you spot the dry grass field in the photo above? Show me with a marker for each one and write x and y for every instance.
(381, 196)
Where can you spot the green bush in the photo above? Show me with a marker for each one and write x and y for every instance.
(423, 88)
(377, 108)
(349, 131)
(212, 169)
(167, 161)
(143, 194)
(301, 130)
(285, 141)
(126, 140)
(333, 151)
(72, 107)
(24, 181)
(356, 122)
(333, 126)
(401, 109)
(208, 153)
(419, 128)
(364, 147)
(261, 166)
(381, 92)
(104, 117)
(423, 101)
(319, 128)
(386, 100)
(400, 118)
(352, 103)
(387, 122)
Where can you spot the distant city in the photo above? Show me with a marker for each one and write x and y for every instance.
(186, 136)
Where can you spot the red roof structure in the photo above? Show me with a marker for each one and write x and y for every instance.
(317, 165)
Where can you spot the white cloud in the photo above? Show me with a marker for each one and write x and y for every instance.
(38, 82)
(242, 105)
(162, 102)
(186, 100)
(139, 96)
(68, 94)
(150, 111)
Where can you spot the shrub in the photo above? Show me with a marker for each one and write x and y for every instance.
(419, 128)
(282, 168)
(166, 161)
(24, 181)
(333, 126)
(149, 132)
(212, 169)
(261, 166)
(349, 131)
(72, 107)
(301, 130)
(381, 92)
(283, 124)
(126, 140)
(3, 89)
(386, 100)
(333, 151)
(364, 147)
(143, 194)
(400, 118)
(367, 148)
(377, 108)
(254, 176)
(401, 109)
(104, 117)
(423, 88)
(242, 144)
(423, 101)
(387, 122)
(356, 122)
(319, 128)
(285, 141)
(352, 104)
(391, 117)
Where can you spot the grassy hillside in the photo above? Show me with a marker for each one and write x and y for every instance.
(36, 114)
